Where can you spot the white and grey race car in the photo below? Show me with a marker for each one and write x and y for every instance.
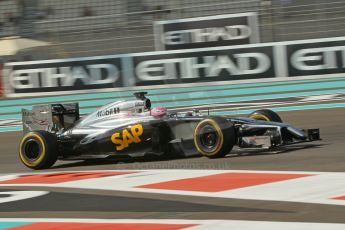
(133, 128)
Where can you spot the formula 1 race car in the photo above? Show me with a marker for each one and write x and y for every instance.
(132, 128)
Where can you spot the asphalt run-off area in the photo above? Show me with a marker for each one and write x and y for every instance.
(297, 187)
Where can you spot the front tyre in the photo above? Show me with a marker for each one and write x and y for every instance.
(38, 150)
(265, 115)
(214, 137)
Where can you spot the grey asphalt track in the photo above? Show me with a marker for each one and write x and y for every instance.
(325, 155)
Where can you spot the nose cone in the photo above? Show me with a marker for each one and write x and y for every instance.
(297, 133)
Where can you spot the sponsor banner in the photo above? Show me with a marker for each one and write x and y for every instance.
(140, 69)
(322, 57)
(214, 64)
(67, 75)
(204, 66)
(210, 31)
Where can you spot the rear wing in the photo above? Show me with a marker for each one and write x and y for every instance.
(51, 118)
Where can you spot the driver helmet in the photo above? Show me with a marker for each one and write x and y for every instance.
(159, 111)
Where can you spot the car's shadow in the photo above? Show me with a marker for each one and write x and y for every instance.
(117, 161)
(126, 161)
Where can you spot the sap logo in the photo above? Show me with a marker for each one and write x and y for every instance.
(126, 137)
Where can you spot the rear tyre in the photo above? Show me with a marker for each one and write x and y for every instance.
(265, 115)
(38, 150)
(214, 137)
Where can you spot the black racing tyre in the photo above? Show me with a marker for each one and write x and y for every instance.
(38, 150)
(214, 137)
(265, 115)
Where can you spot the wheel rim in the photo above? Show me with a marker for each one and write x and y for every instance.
(209, 138)
(32, 150)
